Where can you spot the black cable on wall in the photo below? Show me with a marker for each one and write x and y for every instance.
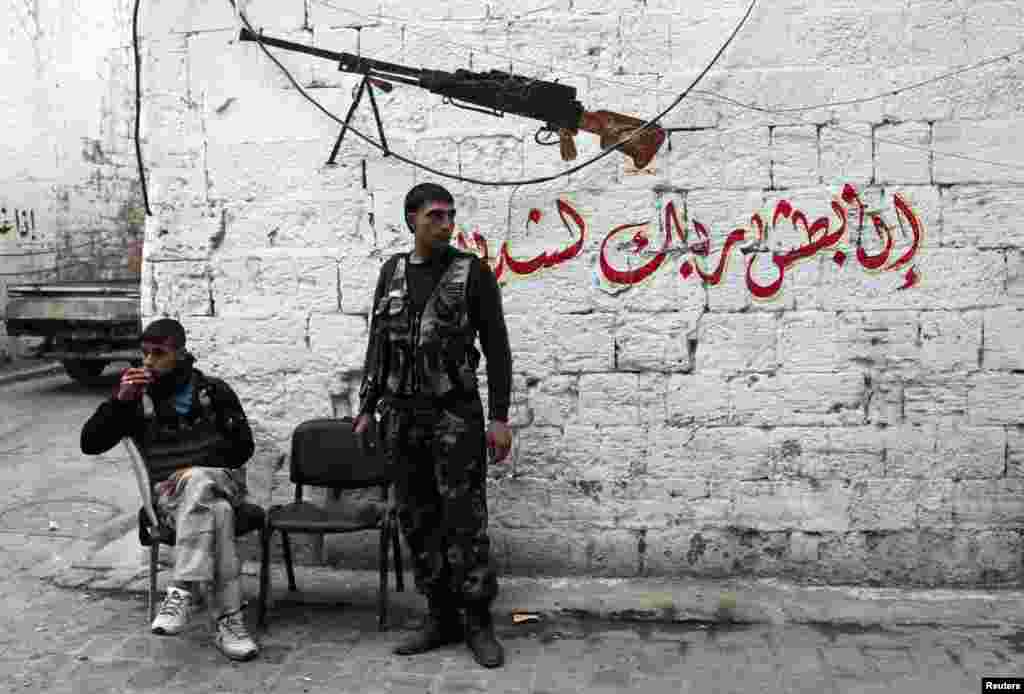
(138, 106)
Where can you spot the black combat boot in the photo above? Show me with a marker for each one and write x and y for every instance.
(480, 637)
(441, 626)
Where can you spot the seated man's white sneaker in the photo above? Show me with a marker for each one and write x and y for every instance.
(233, 638)
(174, 613)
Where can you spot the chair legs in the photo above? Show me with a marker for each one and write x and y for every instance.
(264, 575)
(389, 541)
(286, 545)
(266, 534)
(154, 556)
(396, 548)
(382, 593)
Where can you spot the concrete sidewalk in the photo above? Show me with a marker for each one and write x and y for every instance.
(326, 640)
(121, 565)
(89, 633)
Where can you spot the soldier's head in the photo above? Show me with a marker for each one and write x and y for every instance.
(163, 345)
(430, 215)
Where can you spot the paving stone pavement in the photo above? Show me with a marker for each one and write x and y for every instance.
(67, 641)
(73, 616)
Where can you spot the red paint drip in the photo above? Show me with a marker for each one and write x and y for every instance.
(686, 269)
(545, 259)
(639, 242)
(876, 261)
(852, 197)
(481, 245)
(702, 248)
(783, 208)
(903, 210)
(735, 236)
(535, 215)
(638, 274)
(672, 221)
(766, 291)
(910, 279)
(759, 223)
(839, 258)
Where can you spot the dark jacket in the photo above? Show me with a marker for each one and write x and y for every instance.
(215, 433)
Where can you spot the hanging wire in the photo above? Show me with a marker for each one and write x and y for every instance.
(883, 95)
(715, 97)
(719, 98)
(451, 46)
(530, 181)
(938, 153)
(138, 107)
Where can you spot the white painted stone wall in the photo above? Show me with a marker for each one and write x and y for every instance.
(861, 422)
(69, 192)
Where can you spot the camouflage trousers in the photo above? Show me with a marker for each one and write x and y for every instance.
(201, 509)
(440, 461)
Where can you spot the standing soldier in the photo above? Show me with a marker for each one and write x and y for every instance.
(420, 373)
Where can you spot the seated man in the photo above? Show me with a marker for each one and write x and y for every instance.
(194, 438)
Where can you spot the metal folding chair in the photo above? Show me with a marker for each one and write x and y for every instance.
(327, 453)
(152, 533)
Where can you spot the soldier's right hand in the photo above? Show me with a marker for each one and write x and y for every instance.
(132, 384)
(362, 424)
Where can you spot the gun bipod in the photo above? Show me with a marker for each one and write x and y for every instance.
(366, 85)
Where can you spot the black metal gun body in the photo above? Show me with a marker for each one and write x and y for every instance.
(502, 92)
(495, 93)
(553, 103)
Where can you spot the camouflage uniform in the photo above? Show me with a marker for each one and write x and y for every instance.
(423, 369)
(441, 492)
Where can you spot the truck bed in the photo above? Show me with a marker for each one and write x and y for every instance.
(79, 319)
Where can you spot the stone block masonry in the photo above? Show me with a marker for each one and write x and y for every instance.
(789, 347)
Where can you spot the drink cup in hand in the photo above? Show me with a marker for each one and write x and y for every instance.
(133, 383)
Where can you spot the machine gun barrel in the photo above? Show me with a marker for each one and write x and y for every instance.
(347, 62)
(247, 35)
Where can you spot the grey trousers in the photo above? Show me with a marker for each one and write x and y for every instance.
(201, 509)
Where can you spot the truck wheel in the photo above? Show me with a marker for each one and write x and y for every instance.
(84, 371)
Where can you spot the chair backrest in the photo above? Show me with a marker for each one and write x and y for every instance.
(326, 453)
(142, 478)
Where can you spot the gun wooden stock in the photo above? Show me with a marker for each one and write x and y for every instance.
(613, 128)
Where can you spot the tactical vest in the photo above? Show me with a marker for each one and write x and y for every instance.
(172, 441)
(432, 354)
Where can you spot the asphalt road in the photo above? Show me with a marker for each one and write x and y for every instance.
(52, 489)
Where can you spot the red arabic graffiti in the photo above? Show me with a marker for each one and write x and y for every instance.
(819, 234)
(506, 263)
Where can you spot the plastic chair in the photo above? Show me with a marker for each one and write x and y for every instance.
(152, 533)
(327, 453)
